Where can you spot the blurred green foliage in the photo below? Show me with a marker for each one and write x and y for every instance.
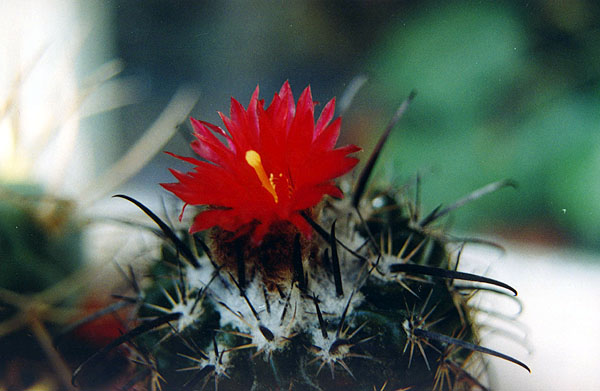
(36, 251)
(493, 103)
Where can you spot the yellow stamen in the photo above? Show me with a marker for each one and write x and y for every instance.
(253, 159)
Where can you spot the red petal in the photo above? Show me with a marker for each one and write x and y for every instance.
(302, 225)
(272, 144)
(242, 130)
(210, 148)
(282, 110)
(252, 120)
(201, 132)
(326, 140)
(185, 159)
(209, 186)
(214, 128)
(301, 132)
(324, 167)
(325, 117)
(237, 139)
(310, 196)
(227, 219)
(260, 231)
(214, 153)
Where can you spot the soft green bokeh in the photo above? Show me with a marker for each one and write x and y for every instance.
(35, 254)
(490, 107)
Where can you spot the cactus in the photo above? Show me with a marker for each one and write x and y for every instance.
(45, 275)
(325, 293)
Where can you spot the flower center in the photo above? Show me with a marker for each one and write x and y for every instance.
(253, 159)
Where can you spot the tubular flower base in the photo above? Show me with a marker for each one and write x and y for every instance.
(275, 163)
(371, 300)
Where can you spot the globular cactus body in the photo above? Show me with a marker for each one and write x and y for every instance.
(355, 294)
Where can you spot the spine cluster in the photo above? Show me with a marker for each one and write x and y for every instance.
(372, 300)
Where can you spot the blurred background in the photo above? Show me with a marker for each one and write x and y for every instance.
(505, 89)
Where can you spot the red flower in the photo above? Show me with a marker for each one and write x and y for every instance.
(274, 163)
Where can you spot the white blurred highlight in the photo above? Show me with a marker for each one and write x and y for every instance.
(39, 86)
(560, 292)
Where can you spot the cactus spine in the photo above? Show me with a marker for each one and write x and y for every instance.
(370, 301)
